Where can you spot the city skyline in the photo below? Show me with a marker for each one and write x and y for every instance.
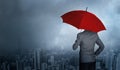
(40, 60)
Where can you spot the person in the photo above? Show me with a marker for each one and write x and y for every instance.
(87, 40)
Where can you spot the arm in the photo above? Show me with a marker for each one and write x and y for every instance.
(77, 42)
(101, 46)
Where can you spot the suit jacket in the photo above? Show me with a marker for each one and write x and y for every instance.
(87, 40)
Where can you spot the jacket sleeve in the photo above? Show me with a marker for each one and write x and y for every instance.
(101, 46)
(77, 42)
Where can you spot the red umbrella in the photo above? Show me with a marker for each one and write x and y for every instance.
(83, 20)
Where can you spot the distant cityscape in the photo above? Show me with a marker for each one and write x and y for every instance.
(41, 60)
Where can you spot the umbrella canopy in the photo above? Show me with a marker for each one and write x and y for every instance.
(83, 20)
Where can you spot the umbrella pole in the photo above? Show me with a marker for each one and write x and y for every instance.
(86, 8)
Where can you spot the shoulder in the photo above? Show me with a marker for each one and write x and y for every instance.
(79, 35)
(97, 35)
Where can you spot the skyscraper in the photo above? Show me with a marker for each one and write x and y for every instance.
(37, 59)
(35, 62)
(44, 66)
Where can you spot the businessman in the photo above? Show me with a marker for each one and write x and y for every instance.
(87, 40)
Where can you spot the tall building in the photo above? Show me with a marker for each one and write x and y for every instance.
(4, 66)
(77, 68)
(44, 66)
(37, 60)
(108, 60)
(62, 64)
(52, 60)
(8, 67)
(18, 63)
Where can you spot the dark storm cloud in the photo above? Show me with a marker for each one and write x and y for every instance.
(113, 30)
(29, 24)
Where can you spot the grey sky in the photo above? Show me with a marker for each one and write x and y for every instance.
(32, 24)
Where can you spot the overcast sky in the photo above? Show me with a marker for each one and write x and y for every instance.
(29, 24)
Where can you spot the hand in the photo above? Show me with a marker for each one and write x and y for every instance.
(75, 46)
